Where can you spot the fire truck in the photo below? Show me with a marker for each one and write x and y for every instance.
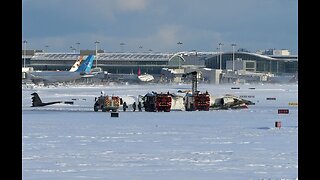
(107, 103)
(153, 102)
(196, 100)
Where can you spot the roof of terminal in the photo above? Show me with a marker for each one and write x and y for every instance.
(105, 56)
(145, 56)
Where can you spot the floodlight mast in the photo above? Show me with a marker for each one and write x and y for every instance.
(97, 42)
(220, 44)
(233, 45)
(25, 49)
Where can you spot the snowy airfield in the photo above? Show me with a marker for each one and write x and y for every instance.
(64, 141)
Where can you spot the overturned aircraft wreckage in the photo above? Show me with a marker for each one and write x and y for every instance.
(230, 101)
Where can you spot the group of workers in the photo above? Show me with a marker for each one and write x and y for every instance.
(134, 106)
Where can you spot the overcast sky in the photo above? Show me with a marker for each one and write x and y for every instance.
(158, 25)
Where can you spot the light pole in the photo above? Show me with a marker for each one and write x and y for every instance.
(78, 44)
(233, 45)
(196, 54)
(180, 44)
(217, 59)
(47, 46)
(71, 48)
(121, 45)
(97, 42)
(220, 44)
(24, 57)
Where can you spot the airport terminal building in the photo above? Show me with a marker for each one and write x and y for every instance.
(153, 62)
(276, 64)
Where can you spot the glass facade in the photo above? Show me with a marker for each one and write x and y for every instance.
(263, 63)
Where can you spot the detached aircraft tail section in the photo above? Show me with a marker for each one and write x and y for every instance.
(36, 101)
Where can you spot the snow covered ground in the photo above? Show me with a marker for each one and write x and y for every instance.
(64, 141)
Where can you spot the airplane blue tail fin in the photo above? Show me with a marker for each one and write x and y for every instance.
(86, 64)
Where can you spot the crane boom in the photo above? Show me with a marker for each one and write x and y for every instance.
(194, 81)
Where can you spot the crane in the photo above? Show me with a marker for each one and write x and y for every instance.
(194, 81)
(196, 101)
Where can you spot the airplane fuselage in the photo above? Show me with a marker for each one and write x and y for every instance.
(55, 76)
(130, 77)
(62, 76)
(146, 78)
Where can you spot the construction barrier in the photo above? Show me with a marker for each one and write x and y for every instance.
(78, 99)
(271, 98)
(293, 103)
(114, 114)
(68, 102)
(245, 96)
(283, 111)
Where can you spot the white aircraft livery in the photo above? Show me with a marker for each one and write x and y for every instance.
(76, 64)
(136, 78)
(63, 76)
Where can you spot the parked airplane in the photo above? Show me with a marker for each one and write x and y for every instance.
(36, 101)
(62, 76)
(76, 65)
(135, 78)
(144, 77)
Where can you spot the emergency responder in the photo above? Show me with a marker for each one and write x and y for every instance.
(139, 106)
(134, 106)
(124, 106)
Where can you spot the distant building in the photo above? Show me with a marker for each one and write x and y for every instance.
(153, 62)
(242, 65)
(260, 52)
(276, 64)
(276, 52)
